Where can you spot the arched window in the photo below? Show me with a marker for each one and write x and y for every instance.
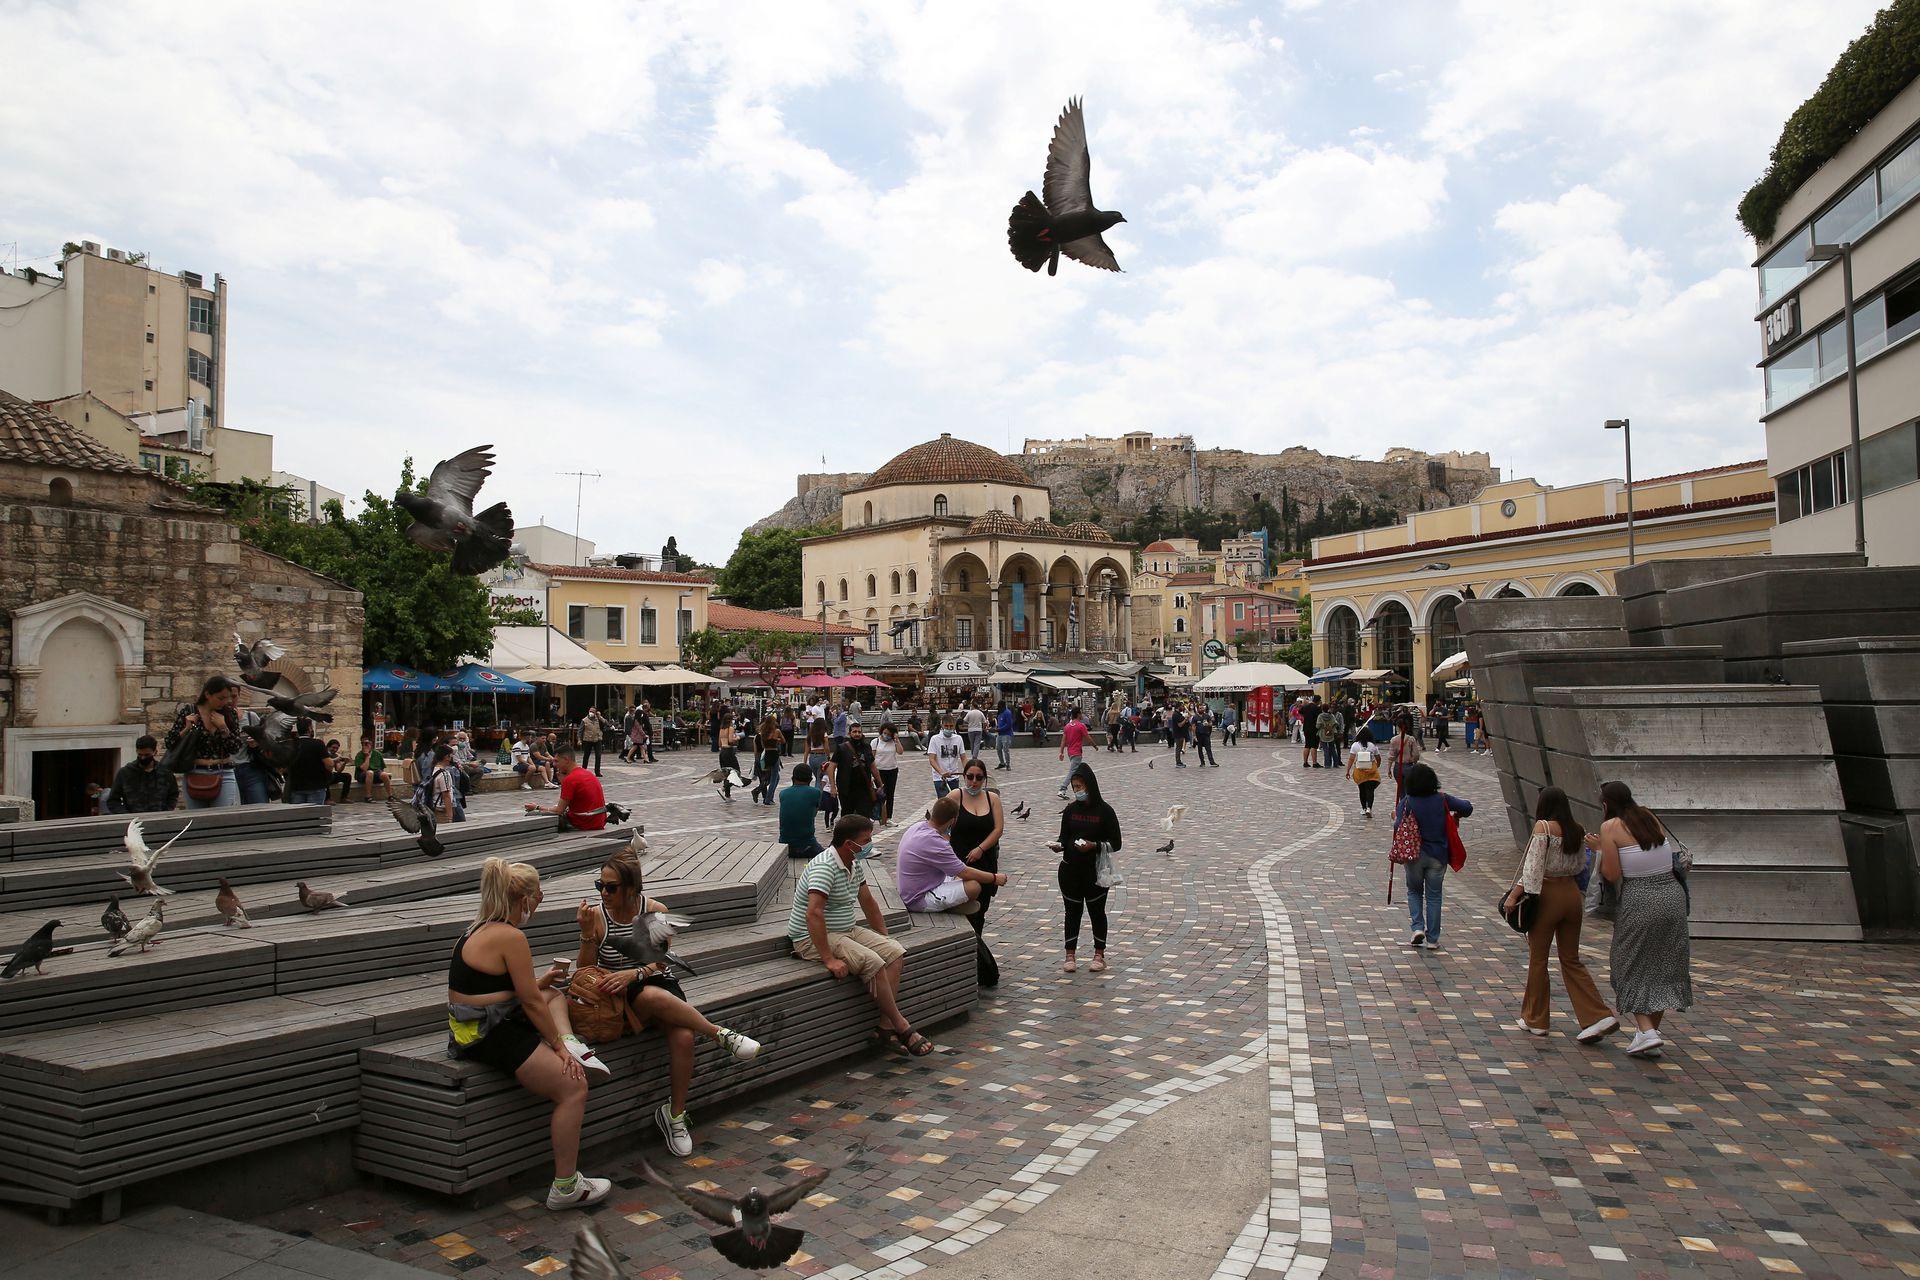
(1018, 513)
(913, 581)
(843, 588)
(939, 504)
(820, 590)
(867, 517)
(1578, 589)
(964, 581)
(873, 586)
(893, 584)
(1343, 637)
(60, 491)
(1180, 626)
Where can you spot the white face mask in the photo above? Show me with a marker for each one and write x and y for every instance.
(1079, 794)
(973, 788)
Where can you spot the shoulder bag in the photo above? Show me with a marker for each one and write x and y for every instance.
(1521, 917)
(180, 758)
(1603, 898)
(1456, 848)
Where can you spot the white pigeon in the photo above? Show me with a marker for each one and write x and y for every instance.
(637, 843)
(141, 860)
(145, 931)
(1176, 814)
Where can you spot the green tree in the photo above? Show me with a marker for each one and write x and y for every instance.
(764, 570)
(769, 652)
(1299, 654)
(419, 612)
(707, 648)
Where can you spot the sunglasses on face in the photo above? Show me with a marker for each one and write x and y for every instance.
(604, 887)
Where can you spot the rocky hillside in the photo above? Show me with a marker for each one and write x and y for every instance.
(1088, 485)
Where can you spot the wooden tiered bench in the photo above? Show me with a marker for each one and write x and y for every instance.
(222, 1042)
(58, 837)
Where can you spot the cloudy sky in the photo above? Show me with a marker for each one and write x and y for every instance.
(698, 247)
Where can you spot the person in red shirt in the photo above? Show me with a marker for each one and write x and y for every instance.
(1073, 741)
(582, 804)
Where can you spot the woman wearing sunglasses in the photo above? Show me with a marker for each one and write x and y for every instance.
(609, 999)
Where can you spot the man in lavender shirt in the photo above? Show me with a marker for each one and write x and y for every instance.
(932, 877)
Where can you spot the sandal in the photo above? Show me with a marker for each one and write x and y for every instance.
(914, 1043)
(1099, 964)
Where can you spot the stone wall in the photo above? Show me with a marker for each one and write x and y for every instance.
(188, 572)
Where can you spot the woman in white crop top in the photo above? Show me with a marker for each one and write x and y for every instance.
(1651, 958)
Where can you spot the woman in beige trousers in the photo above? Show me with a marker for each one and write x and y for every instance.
(1556, 856)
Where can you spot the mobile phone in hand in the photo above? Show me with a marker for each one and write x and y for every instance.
(1055, 846)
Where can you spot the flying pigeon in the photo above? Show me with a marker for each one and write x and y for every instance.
(648, 938)
(751, 1239)
(617, 813)
(419, 823)
(318, 899)
(227, 902)
(592, 1259)
(272, 737)
(141, 860)
(1165, 848)
(1067, 222)
(443, 518)
(1176, 814)
(253, 659)
(33, 952)
(145, 931)
(114, 920)
(306, 704)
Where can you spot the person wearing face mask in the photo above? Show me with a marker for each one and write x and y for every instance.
(821, 927)
(976, 841)
(142, 786)
(501, 1015)
(886, 764)
(851, 775)
(931, 875)
(1087, 825)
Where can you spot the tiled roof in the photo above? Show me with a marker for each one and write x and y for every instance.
(1088, 531)
(998, 521)
(1704, 471)
(947, 461)
(733, 617)
(1183, 579)
(29, 433)
(613, 573)
(1159, 546)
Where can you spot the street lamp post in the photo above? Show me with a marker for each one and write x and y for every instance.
(1844, 252)
(1625, 428)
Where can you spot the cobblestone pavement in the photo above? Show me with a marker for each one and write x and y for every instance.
(1414, 1130)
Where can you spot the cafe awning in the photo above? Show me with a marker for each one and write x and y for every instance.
(672, 674)
(1242, 677)
(1368, 675)
(391, 678)
(474, 678)
(1065, 684)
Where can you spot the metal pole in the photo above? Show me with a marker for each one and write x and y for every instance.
(1626, 432)
(1853, 410)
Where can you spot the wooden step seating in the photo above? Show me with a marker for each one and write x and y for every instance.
(59, 837)
(226, 1041)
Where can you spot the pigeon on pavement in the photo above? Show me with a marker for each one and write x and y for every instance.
(443, 517)
(145, 930)
(1165, 848)
(1037, 232)
(228, 904)
(751, 1239)
(1176, 814)
(637, 842)
(33, 952)
(318, 899)
(1021, 811)
(306, 704)
(253, 659)
(141, 860)
(592, 1259)
(114, 920)
(648, 938)
(1149, 762)
(419, 823)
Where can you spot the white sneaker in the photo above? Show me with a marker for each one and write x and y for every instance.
(584, 1054)
(1529, 1028)
(1645, 1044)
(745, 1048)
(1605, 1027)
(674, 1129)
(1431, 945)
(549, 787)
(585, 1191)
(1419, 936)
(526, 786)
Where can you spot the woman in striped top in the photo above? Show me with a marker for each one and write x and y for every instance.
(609, 998)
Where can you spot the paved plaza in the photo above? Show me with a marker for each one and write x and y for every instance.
(1269, 1081)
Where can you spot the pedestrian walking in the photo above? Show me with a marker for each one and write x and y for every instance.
(1650, 961)
(767, 761)
(976, 726)
(1551, 871)
(1310, 734)
(817, 752)
(851, 774)
(1441, 726)
(1428, 806)
(1203, 738)
(1088, 828)
(1363, 769)
(1403, 752)
(1073, 742)
(946, 753)
(886, 763)
(593, 732)
(1003, 730)
(1470, 724)
(729, 760)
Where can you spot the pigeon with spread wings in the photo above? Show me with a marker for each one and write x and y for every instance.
(1039, 231)
(141, 860)
(443, 517)
(419, 823)
(253, 659)
(752, 1239)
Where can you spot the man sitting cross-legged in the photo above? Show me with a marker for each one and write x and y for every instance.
(821, 926)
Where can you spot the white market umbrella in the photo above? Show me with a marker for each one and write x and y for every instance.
(1450, 666)
(1240, 677)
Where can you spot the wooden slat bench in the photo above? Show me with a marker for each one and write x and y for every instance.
(449, 1126)
(59, 837)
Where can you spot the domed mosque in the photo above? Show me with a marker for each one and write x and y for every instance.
(948, 548)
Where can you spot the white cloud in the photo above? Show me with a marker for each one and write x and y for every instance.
(1332, 201)
(1574, 254)
(719, 282)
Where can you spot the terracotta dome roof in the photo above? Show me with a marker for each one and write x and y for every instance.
(1159, 546)
(999, 522)
(947, 461)
(1087, 530)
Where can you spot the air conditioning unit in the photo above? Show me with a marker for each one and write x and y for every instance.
(118, 255)
(600, 562)
(90, 246)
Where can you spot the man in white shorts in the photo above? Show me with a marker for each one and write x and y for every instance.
(931, 876)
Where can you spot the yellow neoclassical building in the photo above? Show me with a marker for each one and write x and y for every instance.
(953, 543)
(1385, 598)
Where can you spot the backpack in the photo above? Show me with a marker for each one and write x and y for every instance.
(1366, 764)
(1406, 840)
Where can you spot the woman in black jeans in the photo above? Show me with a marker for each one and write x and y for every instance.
(1087, 825)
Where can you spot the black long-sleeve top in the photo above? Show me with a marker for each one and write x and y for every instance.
(1087, 821)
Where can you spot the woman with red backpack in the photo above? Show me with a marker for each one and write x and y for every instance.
(1430, 815)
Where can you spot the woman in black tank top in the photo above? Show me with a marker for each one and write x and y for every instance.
(976, 833)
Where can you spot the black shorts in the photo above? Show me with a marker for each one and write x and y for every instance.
(507, 1047)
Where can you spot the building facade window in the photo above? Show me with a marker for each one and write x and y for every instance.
(576, 622)
(873, 586)
(1890, 459)
(894, 582)
(200, 367)
(939, 504)
(1179, 626)
(820, 590)
(873, 637)
(1865, 205)
(683, 627)
(200, 315)
(963, 632)
(843, 588)
(151, 461)
(1879, 321)
(899, 638)
(1239, 611)
(1819, 486)
(649, 624)
(617, 623)
(964, 581)
(913, 581)
(867, 514)
(1018, 512)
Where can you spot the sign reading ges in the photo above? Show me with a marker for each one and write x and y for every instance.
(1781, 324)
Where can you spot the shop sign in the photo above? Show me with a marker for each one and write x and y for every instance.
(1781, 324)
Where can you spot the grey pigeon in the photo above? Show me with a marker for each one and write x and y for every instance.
(227, 903)
(318, 899)
(306, 704)
(145, 930)
(33, 952)
(114, 920)
(1165, 848)
(1021, 811)
(592, 1259)
(617, 813)
(1037, 232)
(253, 659)
(141, 860)
(648, 938)
(419, 823)
(752, 1239)
(443, 518)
